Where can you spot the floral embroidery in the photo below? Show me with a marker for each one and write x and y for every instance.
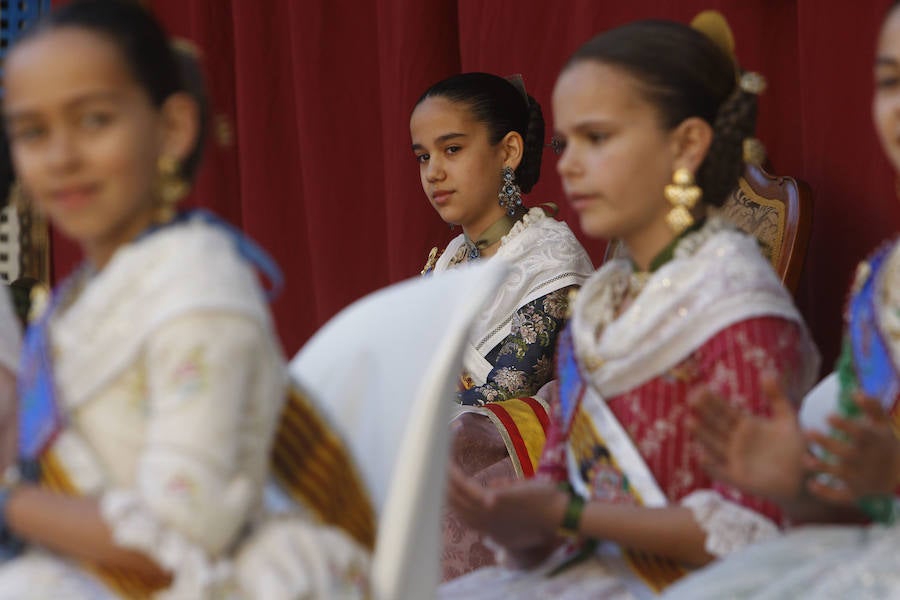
(510, 379)
(686, 371)
(543, 369)
(191, 376)
(556, 305)
(181, 486)
(523, 361)
(350, 580)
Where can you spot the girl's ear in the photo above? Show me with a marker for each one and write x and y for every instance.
(180, 126)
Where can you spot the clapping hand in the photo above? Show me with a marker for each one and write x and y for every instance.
(518, 515)
(863, 460)
(763, 456)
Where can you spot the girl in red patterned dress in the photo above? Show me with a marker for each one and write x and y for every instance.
(650, 117)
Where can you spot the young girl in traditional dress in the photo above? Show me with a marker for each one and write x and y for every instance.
(651, 119)
(479, 140)
(152, 386)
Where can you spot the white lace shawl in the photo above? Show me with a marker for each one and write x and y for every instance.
(190, 266)
(717, 278)
(543, 256)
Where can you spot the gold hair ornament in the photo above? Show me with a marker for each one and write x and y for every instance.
(752, 83)
(754, 151)
(187, 47)
(714, 26)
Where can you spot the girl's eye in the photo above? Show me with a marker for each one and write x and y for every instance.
(886, 83)
(422, 158)
(453, 149)
(557, 144)
(27, 132)
(597, 138)
(95, 120)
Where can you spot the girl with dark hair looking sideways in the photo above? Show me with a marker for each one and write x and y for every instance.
(479, 141)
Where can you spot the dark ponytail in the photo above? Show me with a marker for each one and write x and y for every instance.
(529, 171)
(684, 74)
(502, 107)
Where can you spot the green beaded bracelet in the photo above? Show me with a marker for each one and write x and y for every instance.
(572, 517)
(880, 508)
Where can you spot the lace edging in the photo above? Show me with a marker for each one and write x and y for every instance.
(728, 526)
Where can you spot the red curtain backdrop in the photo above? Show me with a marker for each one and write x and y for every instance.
(316, 95)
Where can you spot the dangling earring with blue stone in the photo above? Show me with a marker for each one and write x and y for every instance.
(510, 196)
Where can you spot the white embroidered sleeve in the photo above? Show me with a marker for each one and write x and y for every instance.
(728, 526)
(214, 387)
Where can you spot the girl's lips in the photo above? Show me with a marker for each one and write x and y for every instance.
(580, 202)
(74, 196)
(441, 197)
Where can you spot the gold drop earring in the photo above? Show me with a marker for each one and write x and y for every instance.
(683, 195)
(171, 188)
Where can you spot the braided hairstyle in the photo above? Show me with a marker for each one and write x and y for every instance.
(501, 107)
(684, 74)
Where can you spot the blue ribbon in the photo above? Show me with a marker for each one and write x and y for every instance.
(871, 368)
(872, 361)
(39, 416)
(570, 384)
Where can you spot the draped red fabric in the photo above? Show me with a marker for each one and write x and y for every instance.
(316, 96)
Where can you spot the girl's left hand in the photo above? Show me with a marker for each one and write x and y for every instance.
(519, 515)
(866, 461)
(760, 455)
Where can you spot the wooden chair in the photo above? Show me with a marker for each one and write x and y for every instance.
(777, 210)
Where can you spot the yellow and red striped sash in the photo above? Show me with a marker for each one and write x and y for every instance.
(522, 423)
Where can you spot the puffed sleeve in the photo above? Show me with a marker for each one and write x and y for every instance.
(215, 384)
